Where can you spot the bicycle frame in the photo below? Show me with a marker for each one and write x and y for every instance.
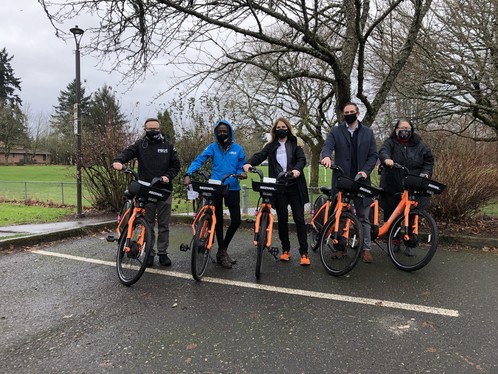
(137, 211)
(209, 207)
(341, 206)
(265, 207)
(404, 206)
(327, 209)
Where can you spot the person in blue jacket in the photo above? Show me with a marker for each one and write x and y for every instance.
(227, 158)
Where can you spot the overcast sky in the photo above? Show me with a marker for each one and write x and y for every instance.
(46, 64)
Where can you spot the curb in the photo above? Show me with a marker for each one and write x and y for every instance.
(34, 239)
(30, 240)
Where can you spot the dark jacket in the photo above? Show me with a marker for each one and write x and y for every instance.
(416, 156)
(155, 159)
(339, 141)
(296, 160)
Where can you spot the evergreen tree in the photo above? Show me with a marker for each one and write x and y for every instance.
(8, 82)
(62, 123)
(167, 125)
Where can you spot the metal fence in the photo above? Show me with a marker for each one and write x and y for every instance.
(65, 193)
(55, 192)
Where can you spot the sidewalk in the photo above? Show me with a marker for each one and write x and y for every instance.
(12, 237)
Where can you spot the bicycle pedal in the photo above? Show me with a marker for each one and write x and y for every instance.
(274, 252)
(184, 247)
(110, 238)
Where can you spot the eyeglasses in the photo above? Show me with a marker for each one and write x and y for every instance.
(153, 129)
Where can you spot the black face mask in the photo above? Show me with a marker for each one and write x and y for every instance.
(350, 118)
(282, 133)
(222, 138)
(404, 134)
(154, 136)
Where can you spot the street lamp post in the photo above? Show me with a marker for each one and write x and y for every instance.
(78, 33)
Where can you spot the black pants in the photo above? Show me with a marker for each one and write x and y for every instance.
(232, 201)
(281, 201)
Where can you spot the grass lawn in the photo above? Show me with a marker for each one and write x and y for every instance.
(38, 173)
(15, 214)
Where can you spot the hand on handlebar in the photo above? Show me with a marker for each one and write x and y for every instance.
(247, 167)
(389, 163)
(186, 181)
(327, 162)
(117, 165)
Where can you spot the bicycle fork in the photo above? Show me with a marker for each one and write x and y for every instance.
(269, 227)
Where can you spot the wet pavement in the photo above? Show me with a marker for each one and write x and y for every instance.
(63, 310)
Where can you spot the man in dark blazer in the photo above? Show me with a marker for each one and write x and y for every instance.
(356, 153)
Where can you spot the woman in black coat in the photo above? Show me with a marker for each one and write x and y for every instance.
(406, 148)
(285, 153)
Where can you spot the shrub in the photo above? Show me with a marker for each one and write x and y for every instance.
(470, 176)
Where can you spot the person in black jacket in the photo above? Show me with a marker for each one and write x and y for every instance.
(285, 153)
(156, 158)
(406, 148)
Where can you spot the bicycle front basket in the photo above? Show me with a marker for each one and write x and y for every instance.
(209, 189)
(266, 189)
(358, 188)
(423, 185)
(144, 189)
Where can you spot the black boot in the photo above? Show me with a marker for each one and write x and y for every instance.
(223, 259)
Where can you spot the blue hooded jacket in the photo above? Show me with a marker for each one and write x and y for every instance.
(225, 162)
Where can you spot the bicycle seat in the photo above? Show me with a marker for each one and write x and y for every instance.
(326, 190)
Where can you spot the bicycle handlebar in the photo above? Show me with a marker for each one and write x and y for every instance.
(127, 170)
(254, 169)
(238, 176)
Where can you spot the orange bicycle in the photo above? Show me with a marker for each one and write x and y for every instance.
(134, 232)
(204, 223)
(263, 226)
(341, 237)
(412, 234)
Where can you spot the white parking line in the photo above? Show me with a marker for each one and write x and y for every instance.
(283, 290)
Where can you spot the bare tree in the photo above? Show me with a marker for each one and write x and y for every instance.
(136, 32)
(453, 74)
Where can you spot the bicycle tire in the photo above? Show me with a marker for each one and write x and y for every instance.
(200, 252)
(341, 257)
(417, 252)
(319, 221)
(131, 265)
(262, 237)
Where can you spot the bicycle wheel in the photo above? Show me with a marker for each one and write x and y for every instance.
(130, 265)
(262, 237)
(200, 252)
(319, 221)
(340, 252)
(416, 251)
